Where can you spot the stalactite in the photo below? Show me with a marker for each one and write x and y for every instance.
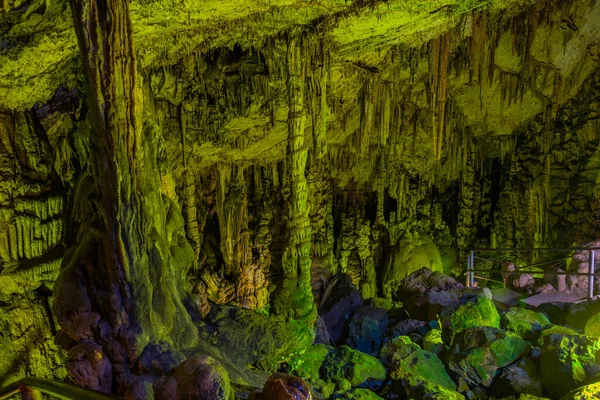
(477, 50)
(438, 82)
(189, 191)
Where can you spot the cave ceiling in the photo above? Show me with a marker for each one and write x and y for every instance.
(220, 64)
(411, 99)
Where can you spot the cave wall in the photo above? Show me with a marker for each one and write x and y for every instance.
(35, 171)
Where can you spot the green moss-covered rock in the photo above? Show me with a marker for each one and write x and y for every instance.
(307, 364)
(478, 353)
(587, 392)
(568, 361)
(325, 388)
(386, 304)
(525, 397)
(592, 326)
(411, 253)
(357, 394)
(356, 367)
(415, 369)
(251, 339)
(525, 323)
(472, 311)
(343, 385)
(574, 315)
(555, 330)
(432, 341)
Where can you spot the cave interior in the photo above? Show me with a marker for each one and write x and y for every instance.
(280, 200)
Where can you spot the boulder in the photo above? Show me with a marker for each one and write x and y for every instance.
(308, 364)
(555, 330)
(425, 281)
(158, 359)
(473, 310)
(322, 334)
(587, 392)
(427, 307)
(478, 353)
(356, 367)
(519, 378)
(357, 394)
(568, 361)
(381, 302)
(418, 373)
(198, 377)
(592, 326)
(432, 341)
(340, 301)
(286, 387)
(411, 253)
(89, 367)
(367, 329)
(343, 385)
(135, 387)
(575, 315)
(252, 339)
(526, 323)
(408, 326)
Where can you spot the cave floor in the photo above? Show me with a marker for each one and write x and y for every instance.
(505, 298)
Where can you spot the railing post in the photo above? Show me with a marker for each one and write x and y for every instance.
(472, 276)
(591, 266)
(467, 274)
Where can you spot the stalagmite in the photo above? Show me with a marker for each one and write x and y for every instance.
(128, 245)
(192, 228)
(295, 295)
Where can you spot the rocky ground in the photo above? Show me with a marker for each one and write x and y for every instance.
(439, 341)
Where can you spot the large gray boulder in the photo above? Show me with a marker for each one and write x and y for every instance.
(367, 329)
(199, 377)
(340, 301)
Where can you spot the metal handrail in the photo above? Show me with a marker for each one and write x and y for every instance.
(538, 249)
(519, 272)
(591, 274)
(30, 388)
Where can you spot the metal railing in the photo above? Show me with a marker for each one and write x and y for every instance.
(591, 274)
(32, 388)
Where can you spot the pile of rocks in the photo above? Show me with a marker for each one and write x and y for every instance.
(445, 341)
(437, 340)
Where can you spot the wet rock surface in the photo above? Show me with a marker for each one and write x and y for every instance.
(339, 303)
(367, 329)
(198, 377)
